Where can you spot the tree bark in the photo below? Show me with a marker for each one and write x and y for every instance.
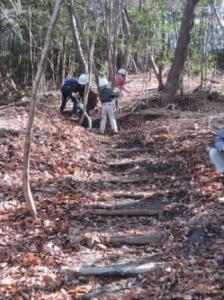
(26, 155)
(180, 55)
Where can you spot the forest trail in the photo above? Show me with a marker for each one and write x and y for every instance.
(144, 207)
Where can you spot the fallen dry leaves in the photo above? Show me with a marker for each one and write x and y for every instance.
(69, 177)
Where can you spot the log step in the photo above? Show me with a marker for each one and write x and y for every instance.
(130, 195)
(125, 212)
(136, 239)
(132, 150)
(121, 163)
(118, 270)
(128, 179)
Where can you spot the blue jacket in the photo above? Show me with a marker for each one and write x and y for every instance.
(70, 82)
(219, 140)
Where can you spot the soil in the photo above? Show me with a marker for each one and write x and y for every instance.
(156, 177)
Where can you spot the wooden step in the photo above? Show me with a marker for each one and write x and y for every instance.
(115, 270)
(124, 180)
(125, 212)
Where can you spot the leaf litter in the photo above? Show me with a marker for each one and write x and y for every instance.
(41, 259)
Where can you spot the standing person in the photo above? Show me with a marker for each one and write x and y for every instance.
(216, 154)
(120, 80)
(107, 96)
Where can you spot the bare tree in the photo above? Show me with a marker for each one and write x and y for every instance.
(76, 36)
(157, 71)
(111, 11)
(86, 46)
(127, 37)
(180, 55)
(218, 17)
(87, 87)
(26, 155)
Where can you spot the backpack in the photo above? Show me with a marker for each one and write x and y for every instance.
(92, 101)
(116, 92)
(219, 140)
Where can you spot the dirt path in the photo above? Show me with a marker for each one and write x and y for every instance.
(138, 215)
(152, 184)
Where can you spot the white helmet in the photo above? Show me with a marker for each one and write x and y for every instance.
(103, 82)
(83, 79)
(122, 71)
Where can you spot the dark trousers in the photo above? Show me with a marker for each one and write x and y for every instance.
(66, 95)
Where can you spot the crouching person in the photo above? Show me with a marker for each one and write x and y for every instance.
(73, 89)
(216, 154)
(67, 91)
(107, 96)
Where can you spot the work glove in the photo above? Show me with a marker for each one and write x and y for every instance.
(81, 106)
(75, 95)
(97, 110)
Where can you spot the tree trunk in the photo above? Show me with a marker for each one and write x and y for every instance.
(106, 12)
(31, 43)
(157, 72)
(26, 155)
(112, 18)
(87, 87)
(86, 48)
(219, 18)
(180, 53)
(116, 22)
(127, 38)
(76, 36)
(64, 57)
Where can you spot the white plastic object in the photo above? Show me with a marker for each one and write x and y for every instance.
(83, 79)
(81, 106)
(103, 82)
(122, 71)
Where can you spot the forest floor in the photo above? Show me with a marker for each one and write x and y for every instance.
(137, 215)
